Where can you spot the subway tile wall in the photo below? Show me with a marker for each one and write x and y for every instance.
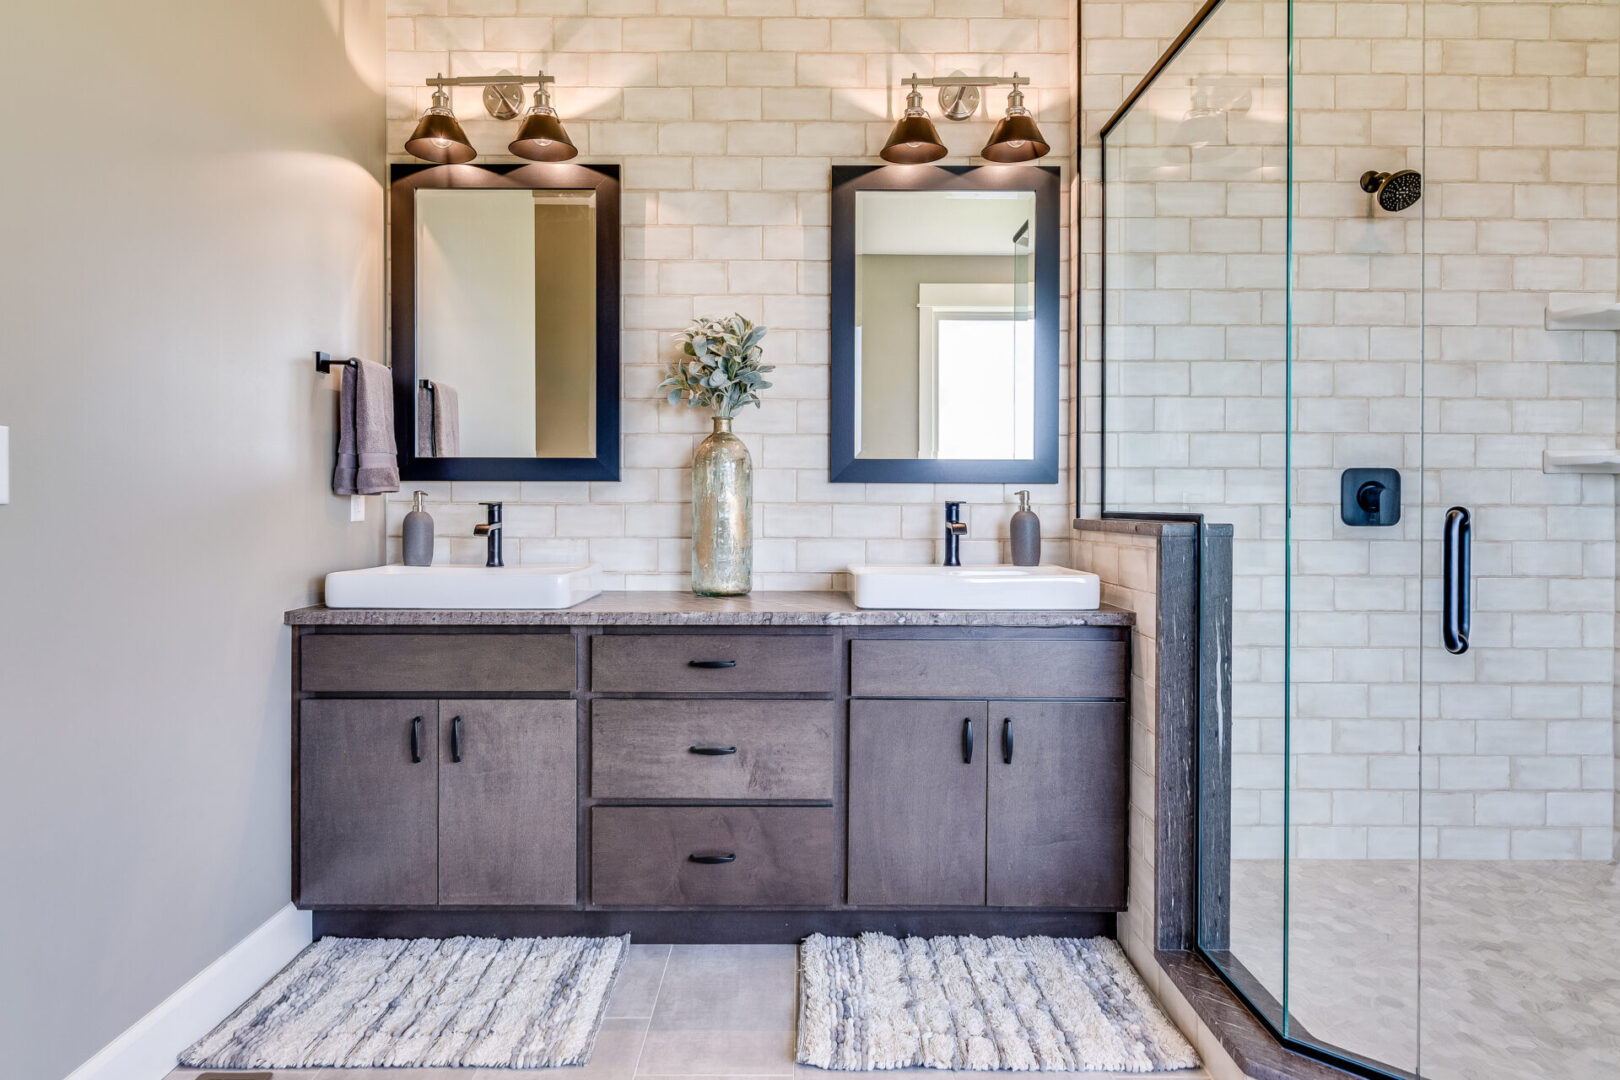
(727, 116)
(1419, 344)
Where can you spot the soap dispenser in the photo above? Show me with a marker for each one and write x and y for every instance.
(417, 533)
(1026, 534)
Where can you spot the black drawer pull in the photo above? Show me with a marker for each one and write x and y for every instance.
(455, 739)
(416, 741)
(711, 751)
(711, 663)
(1006, 740)
(967, 740)
(711, 860)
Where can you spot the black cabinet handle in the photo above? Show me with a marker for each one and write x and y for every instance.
(1006, 741)
(711, 860)
(455, 739)
(711, 751)
(1458, 539)
(967, 740)
(711, 663)
(416, 741)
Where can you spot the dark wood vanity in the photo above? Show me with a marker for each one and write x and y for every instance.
(708, 770)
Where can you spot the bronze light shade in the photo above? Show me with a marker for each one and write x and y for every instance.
(438, 137)
(540, 137)
(914, 140)
(1016, 136)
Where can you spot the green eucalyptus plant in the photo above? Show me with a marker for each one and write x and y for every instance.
(720, 367)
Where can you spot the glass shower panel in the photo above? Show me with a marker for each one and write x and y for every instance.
(1356, 531)
(1520, 903)
(1195, 414)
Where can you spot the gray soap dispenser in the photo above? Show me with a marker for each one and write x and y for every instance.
(1026, 534)
(417, 533)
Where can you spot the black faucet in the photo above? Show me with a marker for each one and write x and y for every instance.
(492, 530)
(953, 533)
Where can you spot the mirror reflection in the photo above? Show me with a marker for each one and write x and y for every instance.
(944, 325)
(505, 323)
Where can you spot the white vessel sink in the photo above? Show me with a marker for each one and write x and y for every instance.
(507, 587)
(975, 588)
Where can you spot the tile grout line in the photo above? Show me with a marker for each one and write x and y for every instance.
(657, 994)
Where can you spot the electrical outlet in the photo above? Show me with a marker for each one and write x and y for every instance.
(357, 508)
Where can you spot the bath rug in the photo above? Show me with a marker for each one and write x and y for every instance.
(390, 1002)
(1021, 1004)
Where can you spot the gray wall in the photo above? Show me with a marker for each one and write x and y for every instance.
(887, 311)
(565, 329)
(178, 231)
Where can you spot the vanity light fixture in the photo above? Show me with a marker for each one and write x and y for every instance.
(540, 137)
(1016, 137)
(438, 136)
(914, 140)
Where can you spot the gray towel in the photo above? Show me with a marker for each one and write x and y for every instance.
(438, 421)
(446, 421)
(424, 421)
(367, 460)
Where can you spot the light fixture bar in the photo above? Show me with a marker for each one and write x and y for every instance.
(496, 80)
(965, 80)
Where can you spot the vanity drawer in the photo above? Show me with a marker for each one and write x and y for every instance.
(762, 856)
(714, 663)
(436, 663)
(654, 749)
(1010, 668)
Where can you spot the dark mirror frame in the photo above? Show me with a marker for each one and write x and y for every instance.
(1045, 181)
(404, 182)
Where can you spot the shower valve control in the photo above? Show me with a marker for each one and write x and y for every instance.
(1370, 497)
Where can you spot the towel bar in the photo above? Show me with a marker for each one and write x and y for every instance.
(427, 384)
(324, 362)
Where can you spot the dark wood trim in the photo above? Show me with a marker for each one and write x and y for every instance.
(1193, 586)
(1212, 742)
(1193, 26)
(1176, 850)
(708, 926)
(1045, 181)
(404, 181)
(1253, 1047)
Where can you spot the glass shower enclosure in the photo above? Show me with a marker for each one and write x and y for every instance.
(1359, 269)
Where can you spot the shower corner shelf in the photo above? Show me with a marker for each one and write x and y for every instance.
(1591, 317)
(1597, 460)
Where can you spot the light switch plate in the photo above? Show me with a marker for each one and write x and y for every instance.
(5, 465)
(357, 508)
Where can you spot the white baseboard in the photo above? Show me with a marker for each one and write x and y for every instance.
(147, 1049)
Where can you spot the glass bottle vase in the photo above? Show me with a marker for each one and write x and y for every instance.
(722, 514)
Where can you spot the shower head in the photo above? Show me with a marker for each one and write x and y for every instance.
(1395, 191)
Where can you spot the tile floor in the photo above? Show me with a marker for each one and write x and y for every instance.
(1516, 965)
(689, 1011)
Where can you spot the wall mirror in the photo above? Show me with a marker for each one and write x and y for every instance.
(506, 321)
(944, 324)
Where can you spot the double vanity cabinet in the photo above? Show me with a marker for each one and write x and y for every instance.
(696, 770)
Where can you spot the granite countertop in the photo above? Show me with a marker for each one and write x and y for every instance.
(686, 609)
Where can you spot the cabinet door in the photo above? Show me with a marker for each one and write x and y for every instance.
(507, 807)
(917, 802)
(1058, 809)
(367, 805)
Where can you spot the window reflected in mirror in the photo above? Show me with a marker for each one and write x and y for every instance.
(944, 345)
(505, 295)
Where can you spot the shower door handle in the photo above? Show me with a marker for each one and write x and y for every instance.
(1457, 540)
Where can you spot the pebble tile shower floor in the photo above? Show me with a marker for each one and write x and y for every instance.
(689, 1011)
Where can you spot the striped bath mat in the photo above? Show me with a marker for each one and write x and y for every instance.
(376, 1003)
(1039, 1003)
